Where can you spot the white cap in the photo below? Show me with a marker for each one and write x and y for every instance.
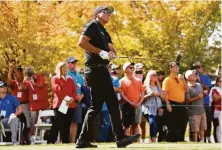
(189, 72)
(197, 63)
(127, 64)
(114, 66)
(139, 66)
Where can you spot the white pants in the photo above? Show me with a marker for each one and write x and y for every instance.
(217, 114)
(13, 126)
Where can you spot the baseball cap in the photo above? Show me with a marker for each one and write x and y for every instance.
(114, 66)
(127, 64)
(138, 66)
(197, 63)
(19, 68)
(29, 71)
(189, 72)
(2, 84)
(98, 9)
(71, 59)
(172, 64)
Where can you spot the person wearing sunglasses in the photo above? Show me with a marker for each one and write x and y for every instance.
(10, 109)
(197, 115)
(152, 104)
(132, 92)
(17, 87)
(138, 72)
(215, 100)
(205, 81)
(99, 50)
(174, 86)
(71, 63)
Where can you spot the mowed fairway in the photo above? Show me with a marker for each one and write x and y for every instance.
(112, 146)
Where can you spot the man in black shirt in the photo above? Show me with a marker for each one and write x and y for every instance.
(99, 49)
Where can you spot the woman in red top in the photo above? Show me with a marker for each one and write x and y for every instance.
(62, 86)
(215, 95)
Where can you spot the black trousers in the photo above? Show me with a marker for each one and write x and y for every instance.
(79, 127)
(177, 122)
(101, 88)
(209, 116)
(61, 123)
(161, 122)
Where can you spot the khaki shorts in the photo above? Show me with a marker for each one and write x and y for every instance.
(198, 122)
(138, 115)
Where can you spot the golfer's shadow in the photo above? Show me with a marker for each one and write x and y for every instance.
(133, 147)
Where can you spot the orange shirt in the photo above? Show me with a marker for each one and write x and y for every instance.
(174, 88)
(132, 88)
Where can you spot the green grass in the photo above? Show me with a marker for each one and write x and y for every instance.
(112, 146)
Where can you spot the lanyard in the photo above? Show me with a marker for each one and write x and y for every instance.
(18, 85)
(32, 87)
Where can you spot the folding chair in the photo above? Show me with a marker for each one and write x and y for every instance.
(5, 130)
(42, 126)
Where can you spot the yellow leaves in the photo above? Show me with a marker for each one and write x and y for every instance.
(43, 33)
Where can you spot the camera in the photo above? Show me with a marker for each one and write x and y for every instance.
(29, 74)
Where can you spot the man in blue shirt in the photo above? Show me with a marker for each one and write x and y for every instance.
(205, 81)
(9, 110)
(79, 82)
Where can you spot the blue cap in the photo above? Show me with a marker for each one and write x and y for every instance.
(71, 59)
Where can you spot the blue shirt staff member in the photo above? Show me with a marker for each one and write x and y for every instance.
(97, 43)
(10, 108)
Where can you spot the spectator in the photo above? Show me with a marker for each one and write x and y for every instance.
(205, 81)
(21, 94)
(162, 120)
(133, 94)
(79, 82)
(152, 102)
(175, 86)
(86, 101)
(215, 98)
(10, 108)
(115, 73)
(62, 86)
(38, 95)
(139, 71)
(197, 116)
(160, 77)
(139, 74)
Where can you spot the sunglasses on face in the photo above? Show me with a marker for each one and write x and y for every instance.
(105, 11)
(198, 67)
(139, 72)
(74, 62)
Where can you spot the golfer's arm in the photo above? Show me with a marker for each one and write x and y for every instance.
(111, 48)
(84, 43)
